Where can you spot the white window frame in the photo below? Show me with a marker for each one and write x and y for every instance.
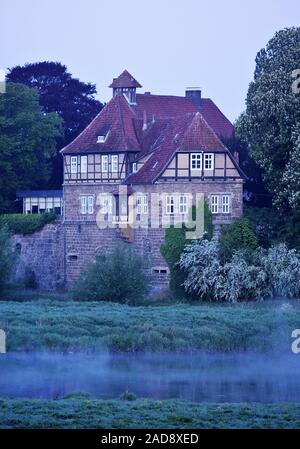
(73, 165)
(196, 158)
(209, 157)
(214, 204)
(183, 204)
(170, 204)
(115, 163)
(134, 167)
(83, 164)
(90, 204)
(226, 205)
(106, 204)
(101, 139)
(142, 204)
(104, 163)
(83, 205)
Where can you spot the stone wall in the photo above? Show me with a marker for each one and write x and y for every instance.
(43, 253)
(60, 251)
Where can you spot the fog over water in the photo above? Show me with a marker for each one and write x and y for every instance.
(197, 377)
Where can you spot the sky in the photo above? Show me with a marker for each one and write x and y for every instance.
(167, 45)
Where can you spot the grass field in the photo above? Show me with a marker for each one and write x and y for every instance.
(85, 412)
(66, 325)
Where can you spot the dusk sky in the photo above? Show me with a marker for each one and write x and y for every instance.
(167, 45)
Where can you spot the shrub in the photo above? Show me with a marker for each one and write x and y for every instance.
(26, 224)
(116, 276)
(171, 250)
(7, 258)
(202, 267)
(248, 275)
(242, 280)
(282, 267)
(239, 235)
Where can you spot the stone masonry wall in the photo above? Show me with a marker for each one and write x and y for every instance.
(42, 252)
(60, 251)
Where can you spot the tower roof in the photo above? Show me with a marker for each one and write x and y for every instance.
(125, 80)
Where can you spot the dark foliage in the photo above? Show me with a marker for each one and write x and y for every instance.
(26, 224)
(73, 100)
(239, 235)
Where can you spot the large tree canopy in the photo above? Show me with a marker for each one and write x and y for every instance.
(272, 115)
(72, 99)
(27, 142)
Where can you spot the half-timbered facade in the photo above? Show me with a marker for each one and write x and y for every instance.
(139, 165)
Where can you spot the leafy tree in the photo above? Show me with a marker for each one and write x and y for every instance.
(239, 235)
(73, 100)
(255, 192)
(27, 142)
(116, 276)
(273, 113)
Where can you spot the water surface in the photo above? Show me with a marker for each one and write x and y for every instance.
(197, 377)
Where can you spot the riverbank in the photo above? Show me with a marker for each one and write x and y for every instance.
(64, 325)
(85, 412)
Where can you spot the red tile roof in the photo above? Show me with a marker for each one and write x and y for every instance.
(125, 80)
(117, 119)
(159, 106)
(188, 132)
(158, 125)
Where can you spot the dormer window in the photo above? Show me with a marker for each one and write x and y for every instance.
(101, 139)
(103, 133)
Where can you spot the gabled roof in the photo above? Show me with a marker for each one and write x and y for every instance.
(163, 106)
(116, 118)
(125, 80)
(188, 132)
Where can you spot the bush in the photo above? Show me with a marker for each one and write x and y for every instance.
(256, 274)
(201, 265)
(239, 235)
(26, 224)
(7, 258)
(282, 268)
(116, 276)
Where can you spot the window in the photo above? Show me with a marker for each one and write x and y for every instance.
(83, 164)
(104, 164)
(90, 204)
(134, 167)
(170, 205)
(196, 161)
(106, 204)
(115, 164)
(101, 139)
(208, 161)
(73, 164)
(142, 204)
(214, 203)
(225, 204)
(183, 204)
(83, 205)
(87, 204)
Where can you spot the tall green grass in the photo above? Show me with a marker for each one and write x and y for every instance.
(93, 326)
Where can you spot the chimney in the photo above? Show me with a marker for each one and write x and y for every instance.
(195, 94)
